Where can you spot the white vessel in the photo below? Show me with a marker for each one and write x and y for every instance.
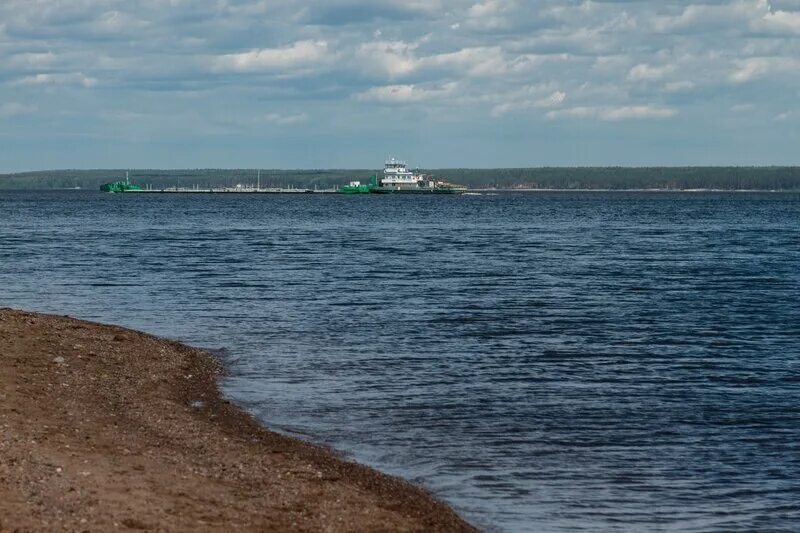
(397, 178)
(396, 174)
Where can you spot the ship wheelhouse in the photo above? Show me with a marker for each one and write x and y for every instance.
(397, 175)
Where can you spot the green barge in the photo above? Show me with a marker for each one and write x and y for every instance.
(121, 186)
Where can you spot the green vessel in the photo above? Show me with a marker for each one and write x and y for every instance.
(397, 179)
(120, 186)
(355, 187)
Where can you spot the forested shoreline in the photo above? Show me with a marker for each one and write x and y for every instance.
(578, 178)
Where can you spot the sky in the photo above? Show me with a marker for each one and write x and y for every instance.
(440, 83)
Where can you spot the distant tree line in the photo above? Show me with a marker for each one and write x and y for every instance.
(617, 178)
(614, 178)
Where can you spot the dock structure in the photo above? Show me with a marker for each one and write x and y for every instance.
(235, 190)
(127, 186)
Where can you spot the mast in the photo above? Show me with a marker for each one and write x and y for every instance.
(259, 180)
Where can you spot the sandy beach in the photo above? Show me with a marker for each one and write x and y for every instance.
(105, 428)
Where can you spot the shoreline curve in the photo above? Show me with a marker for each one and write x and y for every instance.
(103, 427)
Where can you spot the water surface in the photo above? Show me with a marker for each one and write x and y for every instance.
(547, 362)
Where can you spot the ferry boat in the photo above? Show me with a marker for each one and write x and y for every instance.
(398, 179)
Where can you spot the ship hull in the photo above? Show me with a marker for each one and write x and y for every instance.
(120, 186)
(354, 189)
(421, 190)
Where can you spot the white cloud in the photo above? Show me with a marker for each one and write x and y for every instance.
(636, 112)
(114, 22)
(780, 22)
(392, 59)
(492, 62)
(487, 8)
(32, 60)
(491, 14)
(285, 120)
(681, 86)
(398, 59)
(734, 14)
(645, 72)
(474, 61)
(743, 16)
(299, 55)
(72, 78)
(554, 99)
(759, 67)
(614, 114)
(404, 94)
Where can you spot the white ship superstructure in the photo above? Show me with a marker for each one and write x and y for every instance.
(397, 176)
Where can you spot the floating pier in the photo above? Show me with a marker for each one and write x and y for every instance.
(235, 190)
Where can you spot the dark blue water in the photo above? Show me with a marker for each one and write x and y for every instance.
(547, 362)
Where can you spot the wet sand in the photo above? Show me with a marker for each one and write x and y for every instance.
(104, 428)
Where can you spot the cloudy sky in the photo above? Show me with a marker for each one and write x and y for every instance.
(442, 83)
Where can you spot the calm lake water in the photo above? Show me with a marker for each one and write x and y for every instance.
(543, 362)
